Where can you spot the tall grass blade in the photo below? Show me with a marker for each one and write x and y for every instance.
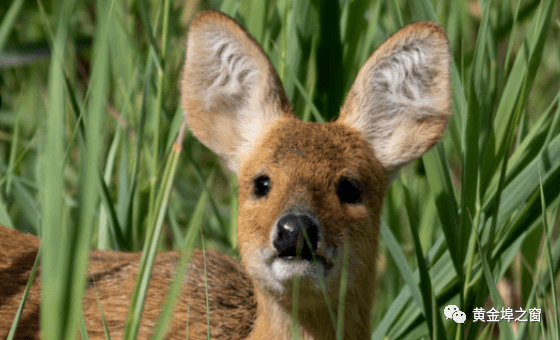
(439, 178)
(400, 259)
(56, 315)
(255, 13)
(433, 319)
(5, 219)
(555, 320)
(521, 77)
(422, 10)
(193, 230)
(148, 257)
(497, 302)
(8, 22)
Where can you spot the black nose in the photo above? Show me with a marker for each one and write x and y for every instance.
(296, 235)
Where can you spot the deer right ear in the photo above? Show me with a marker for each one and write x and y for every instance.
(230, 91)
(400, 101)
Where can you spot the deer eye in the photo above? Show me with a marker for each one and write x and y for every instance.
(261, 185)
(349, 191)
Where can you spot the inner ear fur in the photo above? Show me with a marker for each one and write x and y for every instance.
(230, 91)
(400, 100)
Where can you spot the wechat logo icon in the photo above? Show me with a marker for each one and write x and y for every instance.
(453, 312)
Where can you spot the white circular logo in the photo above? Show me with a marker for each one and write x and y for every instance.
(459, 317)
(449, 310)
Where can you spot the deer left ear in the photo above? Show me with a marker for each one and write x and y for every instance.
(400, 101)
(230, 92)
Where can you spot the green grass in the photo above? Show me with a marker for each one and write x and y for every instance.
(90, 158)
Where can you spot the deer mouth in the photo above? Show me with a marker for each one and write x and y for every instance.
(312, 266)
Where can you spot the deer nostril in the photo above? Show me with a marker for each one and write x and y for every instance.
(297, 235)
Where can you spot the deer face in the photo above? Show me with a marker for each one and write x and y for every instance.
(307, 193)
(310, 194)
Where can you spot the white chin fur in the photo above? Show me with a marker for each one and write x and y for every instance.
(284, 270)
(277, 273)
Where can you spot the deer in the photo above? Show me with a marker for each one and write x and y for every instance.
(310, 195)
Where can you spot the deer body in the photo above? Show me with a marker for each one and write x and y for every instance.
(310, 195)
(112, 275)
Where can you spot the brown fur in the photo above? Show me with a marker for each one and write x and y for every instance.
(305, 161)
(112, 275)
(234, 103)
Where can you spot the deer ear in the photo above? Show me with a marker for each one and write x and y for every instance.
(230, 91)
(400, 101)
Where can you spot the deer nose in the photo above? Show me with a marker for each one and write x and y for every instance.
(296, 235)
